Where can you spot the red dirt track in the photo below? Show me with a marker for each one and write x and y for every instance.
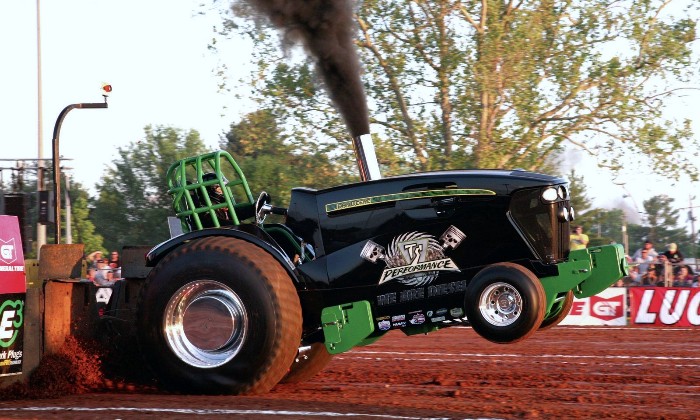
(564, 372)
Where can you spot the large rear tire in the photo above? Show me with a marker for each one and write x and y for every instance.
(219, 316)
(308, 364)
(559, 312)
(505, 303)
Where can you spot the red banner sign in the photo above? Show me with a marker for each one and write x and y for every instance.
(12, 296)
(665, 306)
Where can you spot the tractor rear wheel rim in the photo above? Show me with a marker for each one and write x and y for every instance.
(205, 323)
(500, 304)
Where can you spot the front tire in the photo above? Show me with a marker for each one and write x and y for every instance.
(505, 303)
(219, 316)
(559, 312)
(308, 364)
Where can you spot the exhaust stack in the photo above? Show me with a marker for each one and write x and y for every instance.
(366, 157)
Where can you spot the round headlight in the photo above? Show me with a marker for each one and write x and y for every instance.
(550, 194)
(561, 192)
(572, 214)
(563, 214)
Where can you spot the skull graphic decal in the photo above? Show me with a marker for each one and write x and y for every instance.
(415, 258)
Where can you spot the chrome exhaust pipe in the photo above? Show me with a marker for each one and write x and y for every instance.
(366, 157)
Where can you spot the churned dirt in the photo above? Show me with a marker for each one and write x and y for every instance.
(565, 372)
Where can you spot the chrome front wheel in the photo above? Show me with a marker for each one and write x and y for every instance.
(500, 304)
(505, 302)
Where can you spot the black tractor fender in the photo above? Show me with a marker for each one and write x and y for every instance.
(246, 232)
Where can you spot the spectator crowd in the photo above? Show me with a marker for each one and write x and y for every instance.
(649, 267)
(103, 271)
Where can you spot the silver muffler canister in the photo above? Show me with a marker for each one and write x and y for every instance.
(366, 157)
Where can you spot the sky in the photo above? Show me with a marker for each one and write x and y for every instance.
(154, 54)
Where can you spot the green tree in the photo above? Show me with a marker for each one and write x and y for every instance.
(274, 161)
(83, 230)
(497, 83)
(663, 227)
(133, 204)
(606, 226)
(580, 201)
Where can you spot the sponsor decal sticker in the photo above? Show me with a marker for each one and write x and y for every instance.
(413, 195)
(417, 318)
(437, 319)
(456, 312)
(383, 323)
(415, 258)
(397, 318)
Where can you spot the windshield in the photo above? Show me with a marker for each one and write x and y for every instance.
(538, 224)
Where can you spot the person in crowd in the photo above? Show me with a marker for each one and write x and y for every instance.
(92, 259)
(664, 270)
(103, 274)
(683, 278)
(114, 260)
(673, 255)
(634, 278)
(642, 262)
(649, 246)
(650, 278)
(578, 239)
(115, 263)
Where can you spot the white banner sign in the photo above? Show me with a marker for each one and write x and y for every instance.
(608, 307)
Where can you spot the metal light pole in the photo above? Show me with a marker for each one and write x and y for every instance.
(57, 156)
(40, 227)
(69, 232)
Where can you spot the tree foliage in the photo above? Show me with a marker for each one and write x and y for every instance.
(133, 204)
(662, 222)
(497, 83)
(82, 228)
(580, 201)
(273, 161)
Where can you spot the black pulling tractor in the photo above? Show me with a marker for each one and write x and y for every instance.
(234, 305)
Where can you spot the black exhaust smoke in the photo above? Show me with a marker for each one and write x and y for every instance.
(325, 28)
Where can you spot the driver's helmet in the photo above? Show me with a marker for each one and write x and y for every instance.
(216, 196)
(215, 191)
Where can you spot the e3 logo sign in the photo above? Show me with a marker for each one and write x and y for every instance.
(11, 318)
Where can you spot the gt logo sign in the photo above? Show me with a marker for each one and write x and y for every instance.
(606, 309)
(601, 308)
